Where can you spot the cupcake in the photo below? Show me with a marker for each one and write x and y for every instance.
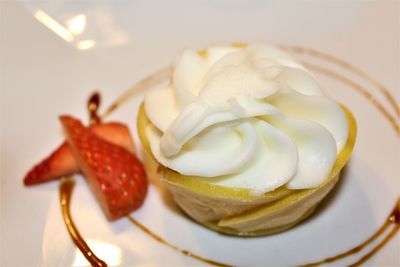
(244, 138)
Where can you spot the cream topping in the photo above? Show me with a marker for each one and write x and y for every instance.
(247, 117)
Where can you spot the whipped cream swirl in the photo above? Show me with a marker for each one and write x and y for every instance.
(245, 117)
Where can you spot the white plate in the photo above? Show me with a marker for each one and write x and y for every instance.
(43, 75)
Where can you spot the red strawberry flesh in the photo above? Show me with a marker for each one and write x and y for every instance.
(62, 162)
(115, 175)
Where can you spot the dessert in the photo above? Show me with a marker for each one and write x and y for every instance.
(244, 138)
(65, 161)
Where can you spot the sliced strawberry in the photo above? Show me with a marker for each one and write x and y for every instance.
(116, 176)
(59, 163)
(62, 162)
(115, 133)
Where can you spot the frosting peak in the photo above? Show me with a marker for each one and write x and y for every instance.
(247, 117)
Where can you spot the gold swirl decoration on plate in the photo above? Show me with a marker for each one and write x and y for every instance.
(393, 219)
(347, 66)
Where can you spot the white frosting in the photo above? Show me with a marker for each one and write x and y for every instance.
(248, 117)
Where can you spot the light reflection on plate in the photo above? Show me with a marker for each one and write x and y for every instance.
(83, 30)
(110, 253)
